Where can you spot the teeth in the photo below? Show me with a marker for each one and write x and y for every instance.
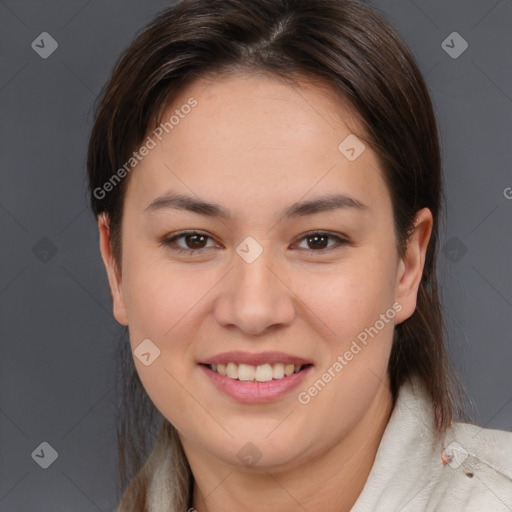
(246, 372)
(262, 373)
(232, 371)
(278, 371)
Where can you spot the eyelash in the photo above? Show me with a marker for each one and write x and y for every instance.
(169, 241)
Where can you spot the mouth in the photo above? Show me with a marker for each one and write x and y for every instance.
(261, 373)
(256, 378)
(261, 384)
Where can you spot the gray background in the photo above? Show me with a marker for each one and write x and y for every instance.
(57, 334)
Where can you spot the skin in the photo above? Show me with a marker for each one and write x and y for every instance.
(255, 145)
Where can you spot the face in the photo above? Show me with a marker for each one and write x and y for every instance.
(293, 261)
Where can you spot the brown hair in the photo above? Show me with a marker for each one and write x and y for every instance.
(341, 43)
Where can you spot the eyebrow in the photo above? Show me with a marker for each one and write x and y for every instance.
(300, 209)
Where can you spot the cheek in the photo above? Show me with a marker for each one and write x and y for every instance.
(160, 304)
(159, 295)
(352, 296)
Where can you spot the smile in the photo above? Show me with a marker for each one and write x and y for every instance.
(260, 373)
(256, 384)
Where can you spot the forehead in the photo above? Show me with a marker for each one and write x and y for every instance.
(255, 136)
(260, 106)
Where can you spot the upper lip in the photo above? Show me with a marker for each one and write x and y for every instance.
(261, 358)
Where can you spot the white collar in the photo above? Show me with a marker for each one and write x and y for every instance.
(408, 473)
(467, 469)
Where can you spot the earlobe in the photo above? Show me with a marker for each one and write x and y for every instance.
(113, 273)
(410, 267)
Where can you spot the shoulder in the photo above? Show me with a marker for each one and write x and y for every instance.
(467, 468)
(490, 447)
(476, 468)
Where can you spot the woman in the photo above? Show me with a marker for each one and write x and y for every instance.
(266, 179)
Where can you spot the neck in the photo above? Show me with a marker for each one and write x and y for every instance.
(330, 481)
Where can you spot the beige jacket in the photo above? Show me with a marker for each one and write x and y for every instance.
(469, 469)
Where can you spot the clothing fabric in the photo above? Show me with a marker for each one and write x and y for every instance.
(467, 469)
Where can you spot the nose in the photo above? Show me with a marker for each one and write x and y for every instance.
(254, 297)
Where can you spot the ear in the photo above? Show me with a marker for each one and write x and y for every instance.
(410, 267)
(113, 274)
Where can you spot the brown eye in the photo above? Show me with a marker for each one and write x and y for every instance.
(188, 242)
(319, 241)
(195, 241)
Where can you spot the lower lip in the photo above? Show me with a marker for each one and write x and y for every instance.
(252, 392)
